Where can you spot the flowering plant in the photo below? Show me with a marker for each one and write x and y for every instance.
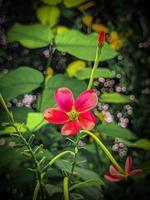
(75, 114)
(75, 103)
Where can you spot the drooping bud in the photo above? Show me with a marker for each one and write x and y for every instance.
(101, 38)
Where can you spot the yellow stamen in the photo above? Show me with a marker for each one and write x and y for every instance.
(73, 114)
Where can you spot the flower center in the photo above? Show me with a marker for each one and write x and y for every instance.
(73, 114)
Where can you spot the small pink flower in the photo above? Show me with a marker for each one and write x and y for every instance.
(115, 176)
(74, 114)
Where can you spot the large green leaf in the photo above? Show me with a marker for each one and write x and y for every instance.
(30, 36)
(48, 15)
(114, 98)
(82, 46)
(86, 73)
(19, 81)
(115, 130)
(47, 98)
(71, 3)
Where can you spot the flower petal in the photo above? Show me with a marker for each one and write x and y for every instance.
(113, 170)
(86, 101)
(64, 99)
(128, 164)
(70, 128)
(136, 171)
(112, 178)
(87, 120)
(56, 116)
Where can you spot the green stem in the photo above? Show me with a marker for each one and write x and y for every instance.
(73, 165)
(66, 190)
(97, 153)
(105, 150)
(55, 158)
(9, 113)
(97, 59)
(75, 157)
(12, 121)
(36, 164)
(51, 51)
(36, 190)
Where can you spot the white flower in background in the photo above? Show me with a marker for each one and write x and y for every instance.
(28, 99)
(123, 122)
(107, 116)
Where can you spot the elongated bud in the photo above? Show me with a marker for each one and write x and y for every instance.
(101, 38)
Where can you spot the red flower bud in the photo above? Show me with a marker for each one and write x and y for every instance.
(101, 38)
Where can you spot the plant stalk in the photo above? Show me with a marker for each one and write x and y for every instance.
(97, 60)
(107, 152)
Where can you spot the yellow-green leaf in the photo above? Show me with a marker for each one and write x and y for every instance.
(35, 121)
(48, 15)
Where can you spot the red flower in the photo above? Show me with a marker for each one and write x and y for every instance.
(114, 175)
(101, 38)
(73, 114)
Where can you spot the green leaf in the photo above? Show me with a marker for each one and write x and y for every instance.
(83, 173)
(86, 73)
(20, 81)
(86, 174)
(30, 36)
(48, 15)
(114, 98)
(115, 130)
(71, 3)
(35, 121)
(82, 46)
(90, 182)
(52, 2)
(57, 81)
(46, 99)
(142, 144)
